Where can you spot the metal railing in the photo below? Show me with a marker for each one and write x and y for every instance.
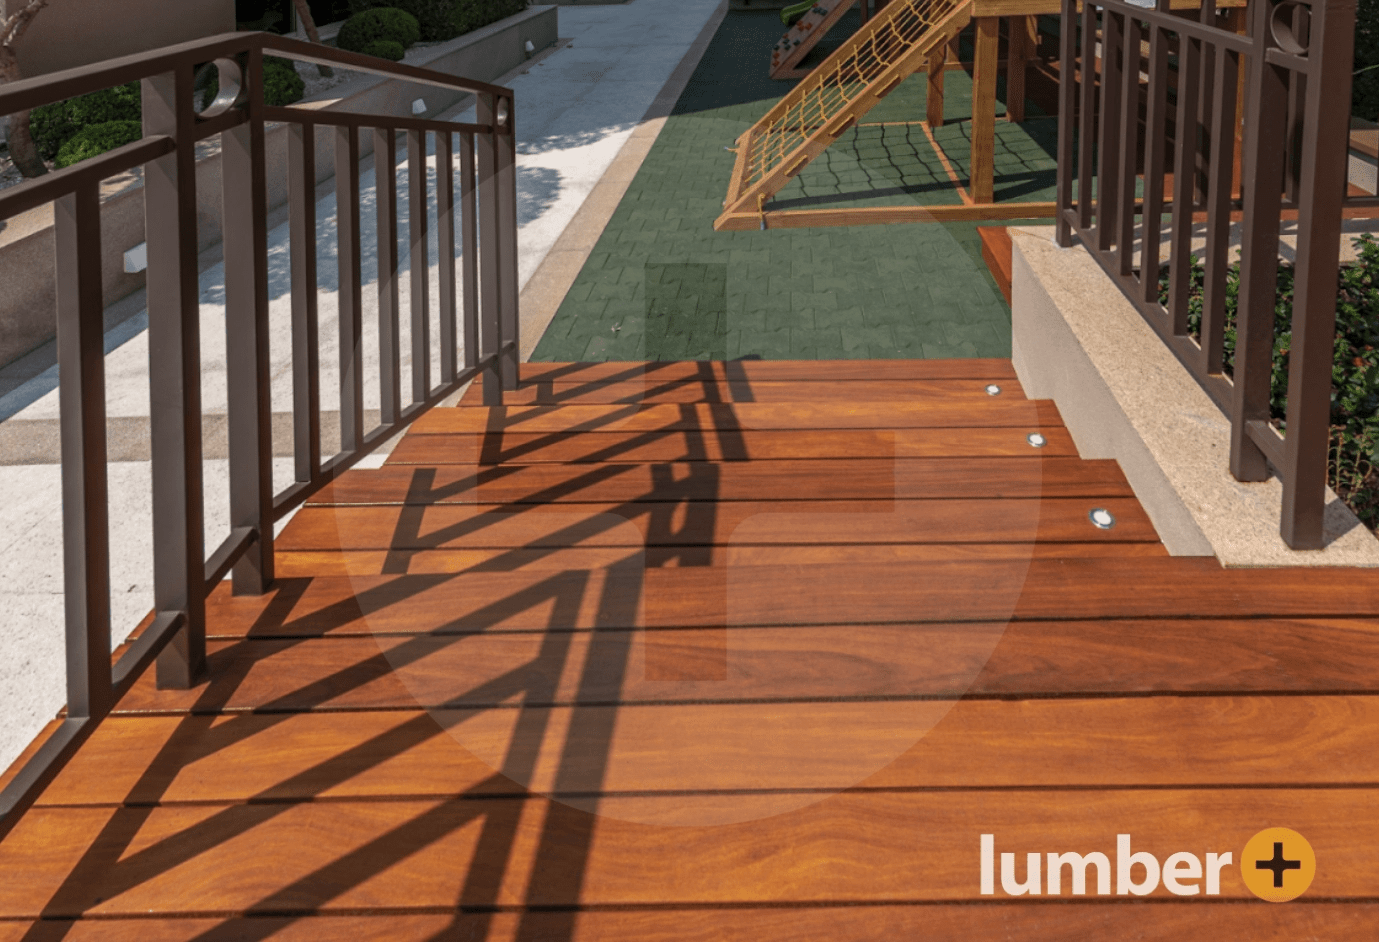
(1293, 60)
(484, 298)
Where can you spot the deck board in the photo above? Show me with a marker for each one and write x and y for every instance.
(783, 638)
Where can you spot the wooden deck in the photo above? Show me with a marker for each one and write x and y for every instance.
(749, 652)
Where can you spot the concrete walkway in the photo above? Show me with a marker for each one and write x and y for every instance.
(576, 110)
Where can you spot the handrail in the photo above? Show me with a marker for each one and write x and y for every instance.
(477, 336)
(1293, 60)
(30, 93)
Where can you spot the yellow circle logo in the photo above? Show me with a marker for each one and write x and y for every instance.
(1278, 865)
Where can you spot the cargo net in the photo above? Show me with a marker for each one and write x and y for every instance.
(841, 79)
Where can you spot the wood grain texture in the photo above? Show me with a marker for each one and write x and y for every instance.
(1164, 921)
(1016, 659)
(737, 523)
(520, 448)
(781, 662)
(987, 411)
(310, 563)
(800, 480)
(739, 746)
(653, 389)
(681, 849)
(819, 371)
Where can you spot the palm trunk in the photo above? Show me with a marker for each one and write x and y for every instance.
(304, 14)
(21, 142)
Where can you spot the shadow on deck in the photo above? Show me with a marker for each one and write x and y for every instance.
(732, 651)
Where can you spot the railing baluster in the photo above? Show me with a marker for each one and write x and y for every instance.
(490, 264)
(351, 291)
(1184, 183)
(306, 366)
(1086, 143)
(1067, 121)
(1113, 69)
(419, 265)
(385, 201)
(248, 373)
(1128, 146)
(469, 246)
(1324, 156)
(1262, 172)
(1156, 151)
(506, 235)
(1218, 200)
(85, 501)
(445, 246)
(174, 341)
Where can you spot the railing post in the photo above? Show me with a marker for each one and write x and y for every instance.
(507, 234)
(248, 375)
(351, 291)
(1262, 175)
(1326, 132)
(385, 205)
(490, 251)
(85, 504)
(174, 342)
(1067, 119)
(306, 362)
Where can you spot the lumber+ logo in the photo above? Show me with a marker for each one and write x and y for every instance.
(1277, 864)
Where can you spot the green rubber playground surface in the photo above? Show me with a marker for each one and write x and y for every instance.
(661, 284)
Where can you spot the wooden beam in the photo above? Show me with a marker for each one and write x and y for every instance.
(883, 215)
(1023, 42)
(934, 100)
(984, 71)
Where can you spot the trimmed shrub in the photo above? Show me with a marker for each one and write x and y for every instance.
(470, 15)
(281, 83)
(385, 49)
(433, 16)
(56, 124)
(370, 26)
(97, 139)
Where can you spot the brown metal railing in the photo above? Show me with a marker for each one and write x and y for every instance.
(1295, 58)
(484, 298)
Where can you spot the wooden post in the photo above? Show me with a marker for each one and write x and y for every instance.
(985, 64)
(1023, 41)
(934, 100)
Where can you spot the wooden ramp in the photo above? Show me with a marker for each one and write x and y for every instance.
(803, 35)
(733, 651)
(887, 49)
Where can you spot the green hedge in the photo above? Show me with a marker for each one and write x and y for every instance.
(1353, 467)
(369, 26)
(385, 49)
(433, 17)
(97, 139)
(1365, 98)
(56, 124)
(472, 14)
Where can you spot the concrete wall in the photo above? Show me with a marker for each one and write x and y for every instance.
(69, 33)
(26, 242)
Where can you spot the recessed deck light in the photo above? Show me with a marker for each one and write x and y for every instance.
(1037, 440)
(993, 390)
(1101, 518)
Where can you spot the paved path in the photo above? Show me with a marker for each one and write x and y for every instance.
(575, 110)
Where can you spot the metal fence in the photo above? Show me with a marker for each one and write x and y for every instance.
(477, 333)
(1259, 126)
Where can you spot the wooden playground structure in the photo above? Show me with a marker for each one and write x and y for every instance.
(897, 39)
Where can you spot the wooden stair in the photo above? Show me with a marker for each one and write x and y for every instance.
(731, 651)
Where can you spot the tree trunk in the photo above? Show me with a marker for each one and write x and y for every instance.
(304, 14)
(21, 142)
